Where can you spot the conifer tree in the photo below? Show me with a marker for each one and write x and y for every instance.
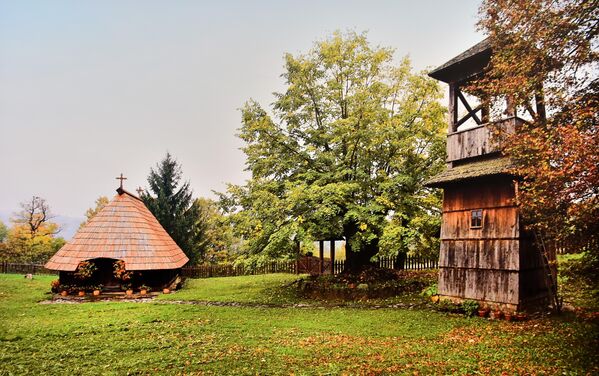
(172, 204)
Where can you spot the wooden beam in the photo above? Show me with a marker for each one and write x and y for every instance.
(453, 108)
(332, 248)
(510, 107)
(321, 255)
(485, 112)
(468, 115)
(471, 112)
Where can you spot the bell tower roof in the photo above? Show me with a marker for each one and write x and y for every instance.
(466, 65)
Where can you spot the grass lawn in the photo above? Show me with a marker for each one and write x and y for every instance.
(143, 338)
(263, 289)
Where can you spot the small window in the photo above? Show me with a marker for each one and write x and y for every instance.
(476, 218)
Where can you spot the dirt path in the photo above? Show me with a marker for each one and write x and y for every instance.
(230, 304)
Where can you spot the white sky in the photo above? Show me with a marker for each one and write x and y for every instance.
(90, 89)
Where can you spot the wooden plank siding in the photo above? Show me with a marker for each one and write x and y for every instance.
(481, 263)
(477, 141)
(498, 223)
(496, 286)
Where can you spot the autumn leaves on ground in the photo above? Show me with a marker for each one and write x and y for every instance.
(312, 337)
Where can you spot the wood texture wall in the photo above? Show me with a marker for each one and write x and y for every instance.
(477, 141)
(481, 263)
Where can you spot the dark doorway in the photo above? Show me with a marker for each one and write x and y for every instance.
(105, 272)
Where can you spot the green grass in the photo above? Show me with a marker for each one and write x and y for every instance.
(577, 283)
(264, 289)
(144, 338)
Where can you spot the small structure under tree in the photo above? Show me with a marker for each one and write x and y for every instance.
(123, 245)
(486, 253)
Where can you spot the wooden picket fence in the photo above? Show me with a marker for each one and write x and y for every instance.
(309, 265)
(410, 263)
(16, 268)
(229, 270)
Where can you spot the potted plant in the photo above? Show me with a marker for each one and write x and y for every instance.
(520, 316)
(432, 292)
(143, 290)
(495, 314)
(64, 290)
(55, 286)
(483, 312)
(126, 287)
(508, 316)
(97, 290)
(80, 291)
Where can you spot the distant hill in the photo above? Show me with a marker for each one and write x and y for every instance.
(68, 225)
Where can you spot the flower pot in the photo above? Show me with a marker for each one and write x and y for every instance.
(81, 293)
(166, 291)
(483, 312)
(64, 293)
(508, 316)
(96, 292)
(143, 292)
(435, 298)
(129, 292)
(520, 316)
(496, 315)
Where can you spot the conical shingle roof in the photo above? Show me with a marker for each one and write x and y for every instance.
(123, 230)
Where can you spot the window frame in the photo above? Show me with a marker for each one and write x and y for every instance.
(474, 215)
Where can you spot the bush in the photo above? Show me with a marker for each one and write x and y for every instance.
(470, 307)
(430, 291)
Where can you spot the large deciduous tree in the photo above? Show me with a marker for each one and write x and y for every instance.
(221, 244)
(343, 153)
(545, 53)
(172, 204)
(32, 237)
(3, 232)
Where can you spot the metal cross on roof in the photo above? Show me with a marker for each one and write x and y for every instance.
(121, 178)
(139, 190)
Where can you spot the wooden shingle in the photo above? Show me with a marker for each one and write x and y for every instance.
(123, 230)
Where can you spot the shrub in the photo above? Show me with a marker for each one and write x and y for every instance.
(448, 306)
(430, 291)
(470, 307)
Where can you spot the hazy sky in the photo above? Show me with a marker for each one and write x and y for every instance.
(90, 89)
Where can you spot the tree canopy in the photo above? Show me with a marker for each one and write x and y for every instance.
(101, 202)
(343, 153)
(545, 52)
(32, 237)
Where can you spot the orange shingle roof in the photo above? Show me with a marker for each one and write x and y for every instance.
(124, 230)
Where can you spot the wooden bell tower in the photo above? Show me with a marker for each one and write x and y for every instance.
(485, 254)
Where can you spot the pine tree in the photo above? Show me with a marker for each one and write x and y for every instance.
(172, 204)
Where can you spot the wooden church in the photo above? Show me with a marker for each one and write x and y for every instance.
(124, 238)
(486, 255)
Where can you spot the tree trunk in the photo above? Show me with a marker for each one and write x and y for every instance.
(357, 259)
(400, 261)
